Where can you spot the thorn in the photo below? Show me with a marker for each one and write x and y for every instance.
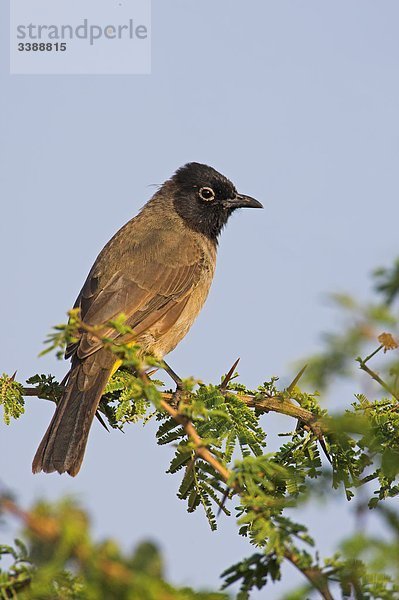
(12, 378)
(99, 417)
(229, 375)
(149, 373)
(324, 447)
(225, 496)
(296, 379)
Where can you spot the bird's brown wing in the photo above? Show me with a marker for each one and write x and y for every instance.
(147, 280)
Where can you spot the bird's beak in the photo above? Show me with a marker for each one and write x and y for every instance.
(241, 201)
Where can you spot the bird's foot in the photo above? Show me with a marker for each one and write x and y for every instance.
(178, 381)
(179, 392)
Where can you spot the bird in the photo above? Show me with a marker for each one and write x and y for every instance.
(157, 271)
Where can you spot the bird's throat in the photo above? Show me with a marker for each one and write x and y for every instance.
(208, 220)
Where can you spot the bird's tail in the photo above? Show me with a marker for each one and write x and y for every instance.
(63, 445)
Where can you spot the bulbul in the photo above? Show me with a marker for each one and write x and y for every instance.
(157, 270)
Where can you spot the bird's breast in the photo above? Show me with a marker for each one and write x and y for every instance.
(161, 339)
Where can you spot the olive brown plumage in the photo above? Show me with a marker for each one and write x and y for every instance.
(157, 270)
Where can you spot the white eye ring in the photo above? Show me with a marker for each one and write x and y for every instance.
(207, 194)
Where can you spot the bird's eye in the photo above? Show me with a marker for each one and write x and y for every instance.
(206, 194)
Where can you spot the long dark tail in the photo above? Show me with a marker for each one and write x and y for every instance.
(63, 445)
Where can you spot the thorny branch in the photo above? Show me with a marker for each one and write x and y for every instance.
(313, 574)
(275, 403)
(261, 403)
(200, 449)
(387, 343)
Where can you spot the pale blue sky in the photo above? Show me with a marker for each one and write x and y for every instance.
(297, 102)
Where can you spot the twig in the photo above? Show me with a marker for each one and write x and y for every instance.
(191, 432)
(276, 404)
(285, 407)
(316, 577)
(373, 354)
(32, 391)
(376, 377)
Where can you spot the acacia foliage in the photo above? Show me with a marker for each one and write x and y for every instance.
(222, 461)
(60, 560)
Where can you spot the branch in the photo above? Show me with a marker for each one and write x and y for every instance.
(45, 527)
(35, 392)
(263, 403)
(387, 343)
(313, 574)
(200, 449)
(276, 404)
(377, 378)
(283, 406)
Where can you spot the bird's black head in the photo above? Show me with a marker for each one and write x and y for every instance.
(205, 199)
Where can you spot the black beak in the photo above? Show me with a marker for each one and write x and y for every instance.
(241, 201)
